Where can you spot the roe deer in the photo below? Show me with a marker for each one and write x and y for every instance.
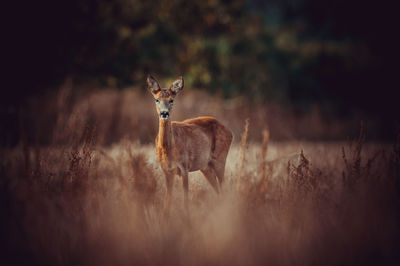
(195, 144)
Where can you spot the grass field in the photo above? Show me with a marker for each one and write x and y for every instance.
(287, 203)
(83, 202)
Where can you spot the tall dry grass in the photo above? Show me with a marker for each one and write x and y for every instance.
(310, 203)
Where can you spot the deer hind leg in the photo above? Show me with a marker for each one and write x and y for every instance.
(211, 177)
(223, 140)
(220, 171)
(219, 159)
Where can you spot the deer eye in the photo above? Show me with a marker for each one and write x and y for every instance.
(157, 101)
(171, 101)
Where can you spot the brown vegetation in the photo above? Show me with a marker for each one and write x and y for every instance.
(87, 204)
(79, 201)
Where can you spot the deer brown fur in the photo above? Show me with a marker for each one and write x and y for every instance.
(194, 144)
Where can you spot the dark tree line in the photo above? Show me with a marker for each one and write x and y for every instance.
(339, 54)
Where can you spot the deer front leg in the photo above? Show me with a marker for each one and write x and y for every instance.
(185, 185)
(169, 180)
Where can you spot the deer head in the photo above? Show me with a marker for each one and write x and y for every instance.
(164, 97)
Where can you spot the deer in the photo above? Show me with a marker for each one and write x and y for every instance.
(194, 144)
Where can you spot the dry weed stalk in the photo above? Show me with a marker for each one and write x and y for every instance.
(242, 176)
(264, 150)
(354, 170)
(80, 160)
(256, 192)
(243, 148)
(302, 177)
(265, 168)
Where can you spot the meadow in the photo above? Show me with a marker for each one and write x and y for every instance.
(83, 188)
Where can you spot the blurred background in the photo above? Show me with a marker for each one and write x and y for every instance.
(304, 69)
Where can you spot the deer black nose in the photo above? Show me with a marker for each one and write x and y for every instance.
(164, 114)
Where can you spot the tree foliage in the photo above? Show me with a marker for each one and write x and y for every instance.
(298, 51)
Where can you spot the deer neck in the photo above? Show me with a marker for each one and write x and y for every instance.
(165, 137)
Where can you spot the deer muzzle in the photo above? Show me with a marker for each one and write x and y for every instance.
(164, 115)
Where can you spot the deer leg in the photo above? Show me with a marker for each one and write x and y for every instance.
(169, 180)
(211, 176)
(220, 171)
(185, 185)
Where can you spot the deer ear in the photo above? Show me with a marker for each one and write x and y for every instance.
(177, 85)
(152, 84)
